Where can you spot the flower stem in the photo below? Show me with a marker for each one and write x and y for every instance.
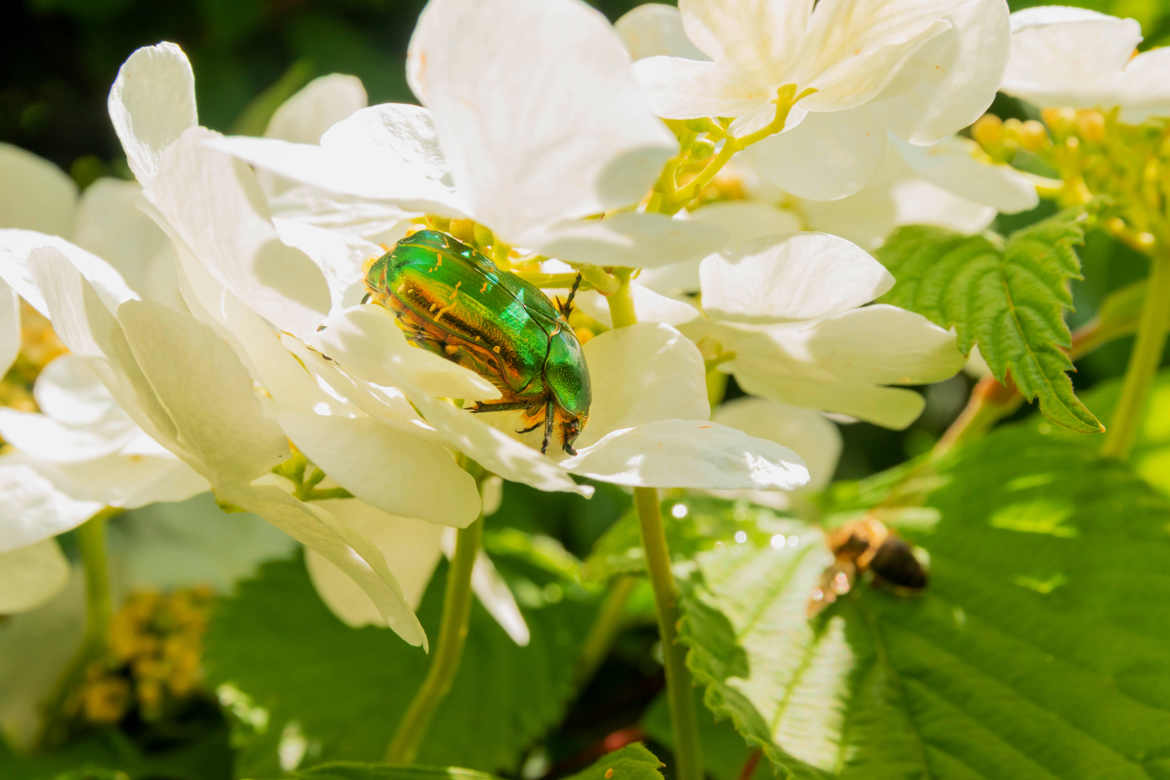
(687, 753)
(604, 629)
(99, 609)
(91, 542)
(448, 650)
(1143, 361)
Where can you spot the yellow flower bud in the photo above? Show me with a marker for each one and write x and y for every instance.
(1059, 120)
(988, 132)
(1091, 125)
(1032, 136)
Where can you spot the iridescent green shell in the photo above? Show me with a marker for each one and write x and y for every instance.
(452, 300)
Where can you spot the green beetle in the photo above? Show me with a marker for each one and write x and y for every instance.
(455, 302)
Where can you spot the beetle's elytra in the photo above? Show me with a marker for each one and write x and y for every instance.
(455, 302)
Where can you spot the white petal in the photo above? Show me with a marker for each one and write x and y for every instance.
(949, 82)
(35, 195)
(112, 225)
(32, 509)
(329, 535)
(320, 103)
(340, 256)
(151, 103)
(890, 407)
(681, 88)
(642, 373)
(827, 156)
(1145, 90)
(865, 218)
(214, 205)
(126, 479)
(17, 248)
(1072, 42)
(650, 306)
(387, 468)
(855, 48)
(631, 239)
(30, 576)
(361, 177)
(807, 275)
(578, 139)
(410, 547)
(809, 434)
(887, 345)
(9, 326)
(654, 28)
(40, 436)
(919, 202)
(689, 454)
(753, 34)
(816, 365)
(746, 220)
(68, 391)
(951, 164)
(206, 391)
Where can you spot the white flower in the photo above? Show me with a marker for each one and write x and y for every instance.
(577, 140)
(792, 314)
(210, 203)
(917, 70)
(80, 453)
(1074, 57)
(236, 271)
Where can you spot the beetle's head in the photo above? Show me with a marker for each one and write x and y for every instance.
(571, 429)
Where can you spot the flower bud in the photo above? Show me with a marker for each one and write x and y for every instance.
(1059, 120)
(702, 148)
(1091, 125)
(1032, 136)
(988, 132)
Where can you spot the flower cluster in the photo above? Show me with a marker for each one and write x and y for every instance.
(715, 173)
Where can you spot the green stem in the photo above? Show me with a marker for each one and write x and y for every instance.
(687, 753)
(669, 199)
(99, 609)
(91, 541)
(448, 650)
(604, 629)
(1143, 361)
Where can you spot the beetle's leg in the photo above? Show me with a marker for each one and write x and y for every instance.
(532, 427)
(498, 406)
(366, 297)
(566, 307)
(548, 426)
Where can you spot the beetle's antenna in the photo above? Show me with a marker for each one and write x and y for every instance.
(567, 306)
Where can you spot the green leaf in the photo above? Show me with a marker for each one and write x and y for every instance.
(292, 673)
(352, 770)
(1007, 297)
(1038, 649)
(632, 762)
